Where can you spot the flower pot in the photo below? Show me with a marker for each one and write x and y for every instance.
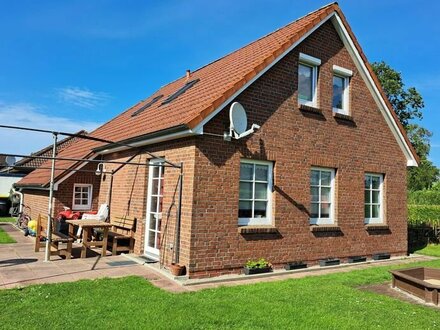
(295, 265)
(177, 270)
(355, 259)
(381, 256)
(329, 262)
(251, 271)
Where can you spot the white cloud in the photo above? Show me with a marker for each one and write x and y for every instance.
(82, 97)
(28, 115)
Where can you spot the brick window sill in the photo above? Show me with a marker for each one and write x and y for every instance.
(325, 228)
(307, 108)
(377, 226)
(257, 229)
(340, 116)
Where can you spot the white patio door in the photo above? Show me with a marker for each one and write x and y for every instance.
(154, 209)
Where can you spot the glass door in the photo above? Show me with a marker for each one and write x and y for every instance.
(154, 209)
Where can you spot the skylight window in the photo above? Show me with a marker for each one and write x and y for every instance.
(146, 106)
(182, 90)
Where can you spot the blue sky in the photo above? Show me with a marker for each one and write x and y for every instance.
(68, 65)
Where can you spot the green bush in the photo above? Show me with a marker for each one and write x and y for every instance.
(424, 197)
(424, 215)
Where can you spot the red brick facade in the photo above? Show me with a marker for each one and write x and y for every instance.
(295, 141)
(38, 200)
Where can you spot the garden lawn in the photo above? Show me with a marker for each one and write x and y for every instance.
(8, 219)
(5, 238)
(430, 250)
(322, 302)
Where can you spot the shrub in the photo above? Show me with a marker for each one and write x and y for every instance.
(424, 197)
(424, 215)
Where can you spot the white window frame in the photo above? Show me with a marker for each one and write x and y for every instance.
(345, 74)
(314, 63)
(89, 197)
(331, 219)
(268, 219)
(380, 219)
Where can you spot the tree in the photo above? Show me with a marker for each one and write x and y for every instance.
(408, 105)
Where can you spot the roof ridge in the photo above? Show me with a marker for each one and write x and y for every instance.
(252, 42)
(266, 35)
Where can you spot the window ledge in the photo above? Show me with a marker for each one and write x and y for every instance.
(341, 116)
(307, 108)
(324, 228)
(376, 226)
(257, 229)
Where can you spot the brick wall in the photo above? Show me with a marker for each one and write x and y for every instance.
(38, 200)
(129, 195)
(295, 141)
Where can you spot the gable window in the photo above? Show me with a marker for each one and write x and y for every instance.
(373, 198)
(82, 196)
(322, 182)
(341, 79)
(307, 79)
(255, 193)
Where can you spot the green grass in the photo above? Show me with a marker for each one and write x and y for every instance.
(430, 250)
(324, 302)
(7, 219)
(5, 238)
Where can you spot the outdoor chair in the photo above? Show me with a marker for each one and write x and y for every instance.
(101, 215)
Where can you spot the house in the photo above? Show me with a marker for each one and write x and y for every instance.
(323, 176)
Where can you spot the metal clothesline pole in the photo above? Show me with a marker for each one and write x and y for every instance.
(85, 160)
(85, 137)
(50, 208)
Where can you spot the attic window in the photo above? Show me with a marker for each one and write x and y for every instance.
(182, 90)
(147, 105)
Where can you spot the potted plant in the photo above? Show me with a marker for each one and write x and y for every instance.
(295, 265)
(329, 262)
(257, 266)
(177, 270)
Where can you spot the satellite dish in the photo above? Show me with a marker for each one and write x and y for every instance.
(238, 118)
(238, 125)
(10, 160)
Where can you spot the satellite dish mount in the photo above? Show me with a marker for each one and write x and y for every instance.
(238, 123)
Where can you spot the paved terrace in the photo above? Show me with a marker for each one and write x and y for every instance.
(21, 266)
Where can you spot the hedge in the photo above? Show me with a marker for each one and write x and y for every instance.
(424, 197)
(424, 214)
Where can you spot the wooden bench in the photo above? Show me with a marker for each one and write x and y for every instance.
(123, 229)
(57, 238)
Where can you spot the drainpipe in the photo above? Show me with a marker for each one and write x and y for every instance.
(179, 218)
(50, 208)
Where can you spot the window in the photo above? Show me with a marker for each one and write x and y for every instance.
(307, 79)
(179, 92)
(341, 79)
(373, 198)
(82, 197)
(255, 193)
(147, 105)
(322, 182)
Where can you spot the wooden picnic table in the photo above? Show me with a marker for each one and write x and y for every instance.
(87, 227)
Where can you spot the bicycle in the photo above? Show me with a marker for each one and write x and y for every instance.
(23, 217)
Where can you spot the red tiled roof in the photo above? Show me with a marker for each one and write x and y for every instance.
(219, 80)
